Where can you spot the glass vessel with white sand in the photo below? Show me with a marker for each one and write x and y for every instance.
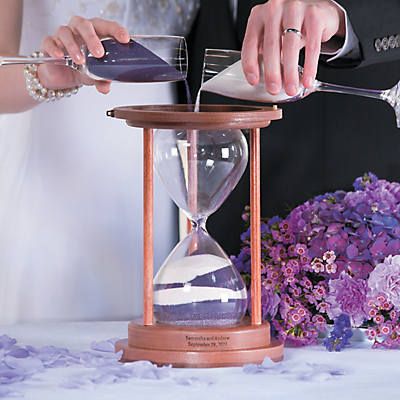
(223, 74)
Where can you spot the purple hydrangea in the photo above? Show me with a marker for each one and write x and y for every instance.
(322, 256)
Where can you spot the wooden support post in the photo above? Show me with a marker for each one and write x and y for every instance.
(148, 239)
(255, 226)
(192, 184)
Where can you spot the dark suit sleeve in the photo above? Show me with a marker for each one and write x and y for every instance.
(377, 26)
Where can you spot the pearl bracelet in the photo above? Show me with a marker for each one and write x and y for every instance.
(37, 90)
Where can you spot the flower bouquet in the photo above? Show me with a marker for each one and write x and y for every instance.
(333, 260)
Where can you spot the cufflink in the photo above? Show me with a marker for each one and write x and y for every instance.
(387, 43)
(392, 42)
(378, 45)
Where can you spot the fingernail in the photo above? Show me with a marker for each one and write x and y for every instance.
(273, 88)
(252, 78)
(99, 51)
(291, 90)
(78, 57)
(123, 35)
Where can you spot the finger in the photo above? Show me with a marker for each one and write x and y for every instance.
(85, 80)
(272, 49)
(66, 37)
(106, 28)
(250, 47)
(50, 47)
(103, 86)
(291, 44)
(84, 28)
(314, 30)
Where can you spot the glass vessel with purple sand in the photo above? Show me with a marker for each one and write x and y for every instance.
(144, 59)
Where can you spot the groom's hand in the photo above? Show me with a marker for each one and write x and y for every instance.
(310, 23)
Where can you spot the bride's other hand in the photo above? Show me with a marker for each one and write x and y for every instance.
(67, 40)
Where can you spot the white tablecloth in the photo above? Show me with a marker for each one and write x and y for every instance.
(307, 373)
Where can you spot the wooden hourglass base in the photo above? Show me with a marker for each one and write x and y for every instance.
(193, 347)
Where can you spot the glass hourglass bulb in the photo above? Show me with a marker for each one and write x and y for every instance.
(197, 284)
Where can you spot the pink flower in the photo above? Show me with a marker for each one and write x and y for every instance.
(371, 333)
(274, 275)
(276, 235)
(296, 291)
(300, 249)
(329, 257)
(305, 260)
(323, 307)
(372, 312)
(306, 283)
(292, 251)
(319, 319)
(317, 265)
(288, 270)
(386, 329)
(284, 226)
(319, 292)
(287, 238)
(301, 311)
(277, 252)
(295, 317)
(291, 279)
(381, 299)
(331, 268)
(385, 279)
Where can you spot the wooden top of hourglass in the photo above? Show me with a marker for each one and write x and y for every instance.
(182, 116)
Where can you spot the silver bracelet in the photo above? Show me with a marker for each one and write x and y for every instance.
(37, 90)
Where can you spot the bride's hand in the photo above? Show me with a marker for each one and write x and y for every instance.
(67, 40)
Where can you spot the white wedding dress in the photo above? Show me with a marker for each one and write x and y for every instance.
(70, 184)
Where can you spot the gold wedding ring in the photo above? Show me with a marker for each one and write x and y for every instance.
(292, 30)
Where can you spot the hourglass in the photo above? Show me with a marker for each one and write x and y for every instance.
(194, 309)
(198, 285)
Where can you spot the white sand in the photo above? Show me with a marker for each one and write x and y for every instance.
(190, 294)
(188, 268)
(232, 83)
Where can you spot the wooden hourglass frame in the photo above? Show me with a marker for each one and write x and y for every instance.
(186, 346)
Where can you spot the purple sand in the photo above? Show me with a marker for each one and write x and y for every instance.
(205, 313)
(131, 62)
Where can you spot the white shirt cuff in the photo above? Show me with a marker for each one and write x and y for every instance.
(350, 41)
